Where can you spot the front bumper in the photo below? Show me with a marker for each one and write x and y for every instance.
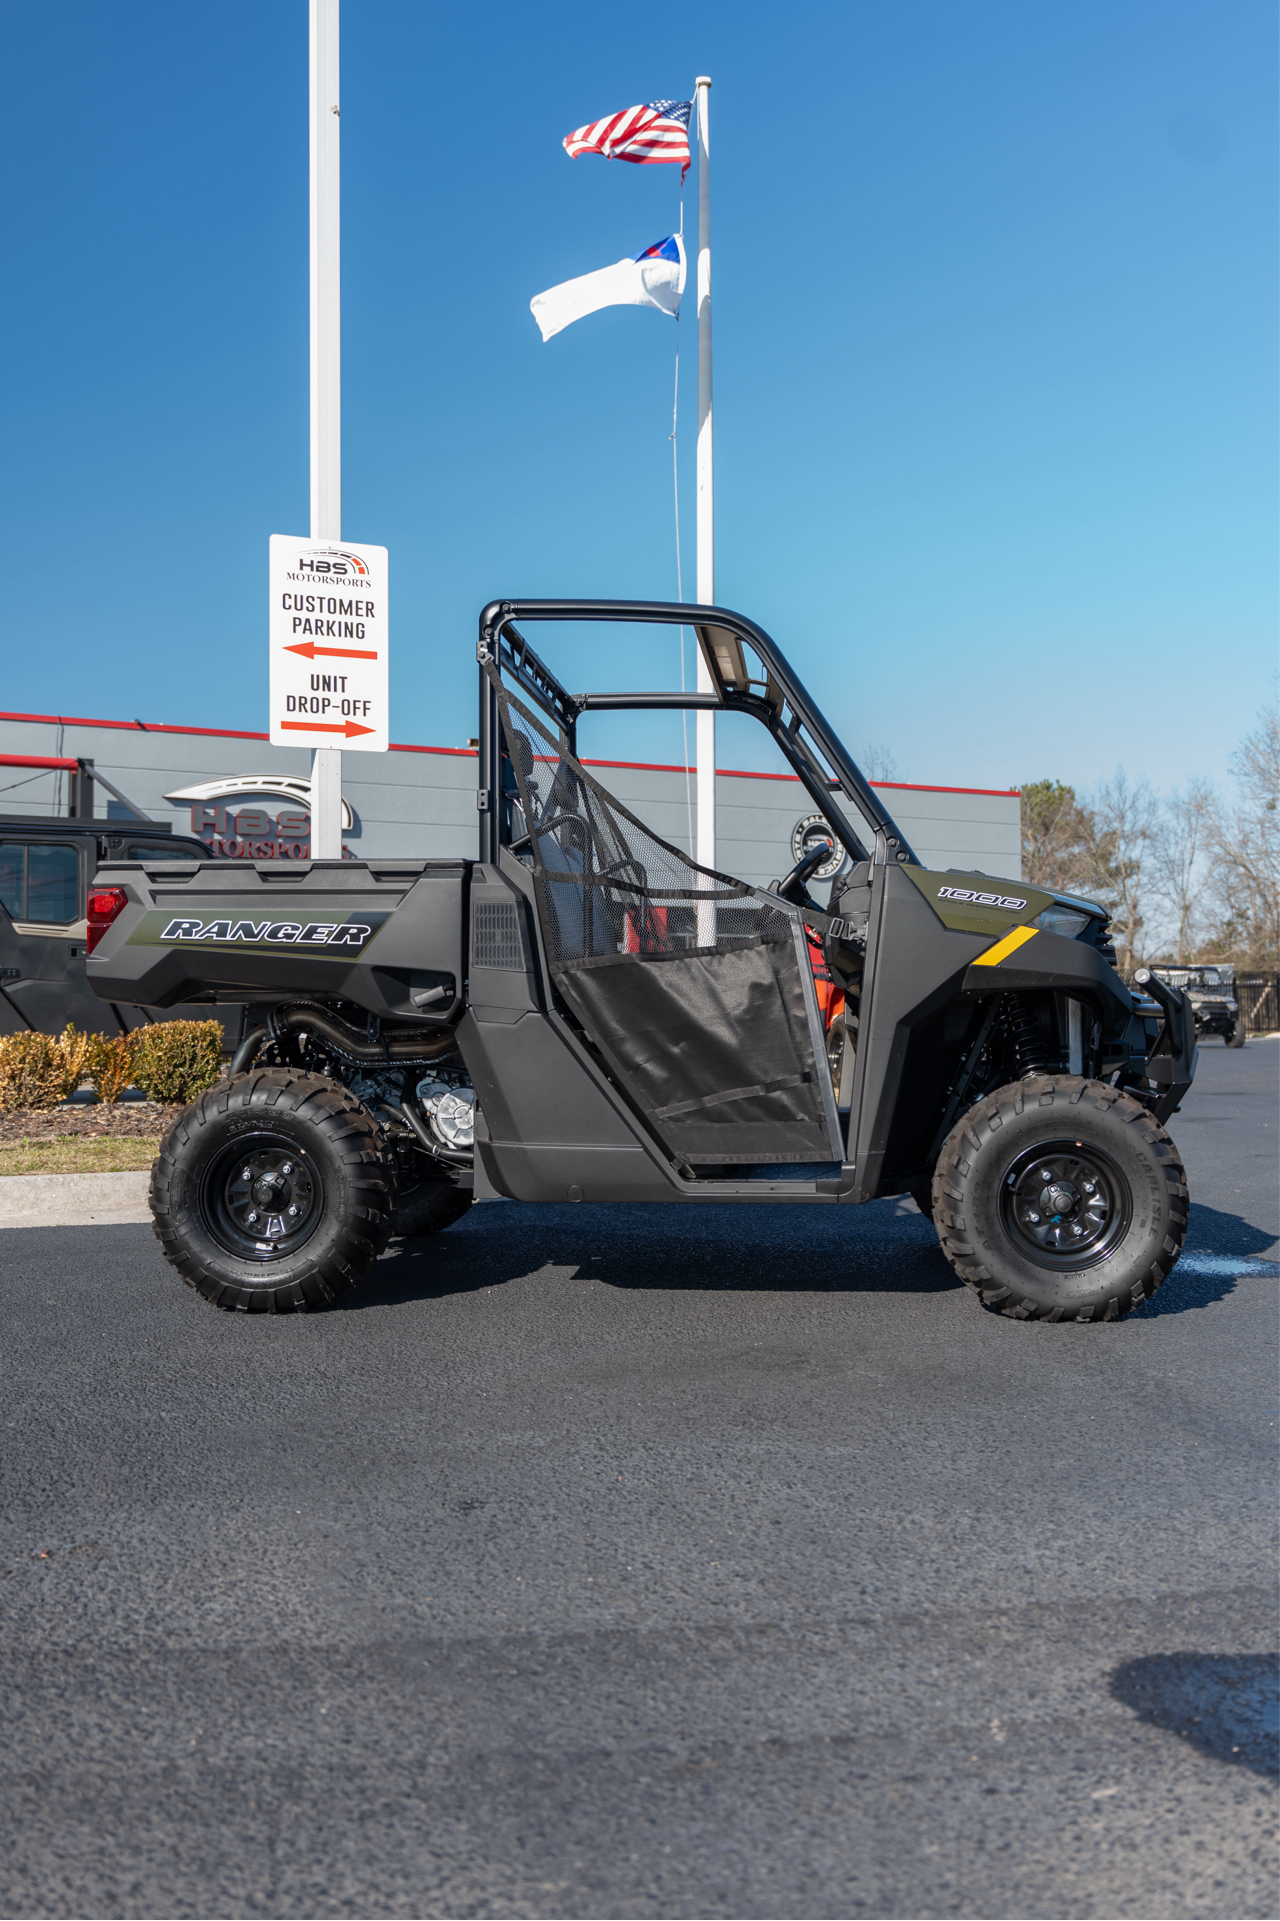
(1171, 1059)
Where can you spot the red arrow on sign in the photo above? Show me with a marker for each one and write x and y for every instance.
(347, 727)
(309, 649)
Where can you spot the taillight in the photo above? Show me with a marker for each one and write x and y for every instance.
(103, 909)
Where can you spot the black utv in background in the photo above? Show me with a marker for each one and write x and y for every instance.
(1211, 989)
(582, 1013)
(47, 869)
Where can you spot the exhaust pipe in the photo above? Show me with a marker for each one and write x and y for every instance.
(341, 1036)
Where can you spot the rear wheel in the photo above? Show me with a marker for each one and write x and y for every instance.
(1060, 1199)
(274, 1191)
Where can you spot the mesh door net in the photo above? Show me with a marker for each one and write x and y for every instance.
(695, 988)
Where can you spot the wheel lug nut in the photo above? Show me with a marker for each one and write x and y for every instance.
(247, 1175)
(287, 1168)
(252, 1216)
(293, 1210)
(1033, 1217)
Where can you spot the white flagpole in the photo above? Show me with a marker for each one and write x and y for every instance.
(706, 582)
(326, 370)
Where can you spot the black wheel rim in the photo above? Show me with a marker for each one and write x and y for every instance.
(262, 1197)
(1065, 1205)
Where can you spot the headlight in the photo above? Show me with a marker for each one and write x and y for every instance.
(1232, 1007)
(450, 1112)
(1062, 920)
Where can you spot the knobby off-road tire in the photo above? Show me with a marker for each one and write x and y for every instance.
(274, 1191)
(430, 1208)
(1115, 1176)
(1236, 1037)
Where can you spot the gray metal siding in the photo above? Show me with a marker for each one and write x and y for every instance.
(423, 804)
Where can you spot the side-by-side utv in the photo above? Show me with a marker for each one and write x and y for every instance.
(1210, 987)
(582, 1013)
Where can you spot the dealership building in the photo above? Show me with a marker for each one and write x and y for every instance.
(249, 800)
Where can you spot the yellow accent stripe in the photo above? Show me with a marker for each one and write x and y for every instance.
(1003, 948)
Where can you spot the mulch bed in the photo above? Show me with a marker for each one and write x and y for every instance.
(127, 1120)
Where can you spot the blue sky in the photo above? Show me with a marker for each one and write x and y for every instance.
(995, 315)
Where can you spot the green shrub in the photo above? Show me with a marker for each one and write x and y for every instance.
(31, 1071)
(76, 1049)
(39, 1070)
(109, 1065)
(177, 1060)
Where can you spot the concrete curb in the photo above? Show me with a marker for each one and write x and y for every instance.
(73, 1200)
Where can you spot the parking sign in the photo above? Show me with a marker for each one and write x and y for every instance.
(328, 640)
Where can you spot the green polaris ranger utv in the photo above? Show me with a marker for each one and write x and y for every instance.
(581, 1012)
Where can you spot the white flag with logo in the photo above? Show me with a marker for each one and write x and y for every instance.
(654, 278)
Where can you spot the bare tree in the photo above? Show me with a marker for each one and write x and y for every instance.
(1124, 817)
(878, 763)
(1246, 847)
(1177, 850)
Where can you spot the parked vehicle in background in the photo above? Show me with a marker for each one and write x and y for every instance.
(1210, 986)
(46, 933)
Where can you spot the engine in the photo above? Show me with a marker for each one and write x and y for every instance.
(413, 1080)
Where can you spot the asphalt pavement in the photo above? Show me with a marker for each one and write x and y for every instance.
(626, 1561)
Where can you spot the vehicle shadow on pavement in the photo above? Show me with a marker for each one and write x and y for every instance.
(1222, 1238)
(1226, 1705)
(885, 1248)
(891, 1249)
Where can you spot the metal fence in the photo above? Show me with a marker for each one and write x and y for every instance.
(1259, 997)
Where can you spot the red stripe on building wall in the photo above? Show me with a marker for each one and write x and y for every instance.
(746, 773)
(404, 747)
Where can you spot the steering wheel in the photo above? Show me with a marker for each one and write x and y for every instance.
(793, 888)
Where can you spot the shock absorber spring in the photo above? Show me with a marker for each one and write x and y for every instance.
(1022, 1020)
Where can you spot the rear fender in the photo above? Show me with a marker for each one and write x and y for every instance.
(374, 933)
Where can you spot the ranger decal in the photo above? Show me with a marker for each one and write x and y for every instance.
(343, 934)
(315, 933)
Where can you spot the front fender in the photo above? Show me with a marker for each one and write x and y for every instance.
(1041, 962)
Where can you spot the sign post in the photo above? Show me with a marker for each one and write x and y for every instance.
(328, 654)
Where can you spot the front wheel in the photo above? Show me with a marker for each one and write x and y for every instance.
(1236, 1037)
(274, 1191)
(1060, 1199)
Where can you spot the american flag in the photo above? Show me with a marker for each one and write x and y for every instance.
(648, 136)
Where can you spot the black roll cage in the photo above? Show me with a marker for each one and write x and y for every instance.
(784, 707)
